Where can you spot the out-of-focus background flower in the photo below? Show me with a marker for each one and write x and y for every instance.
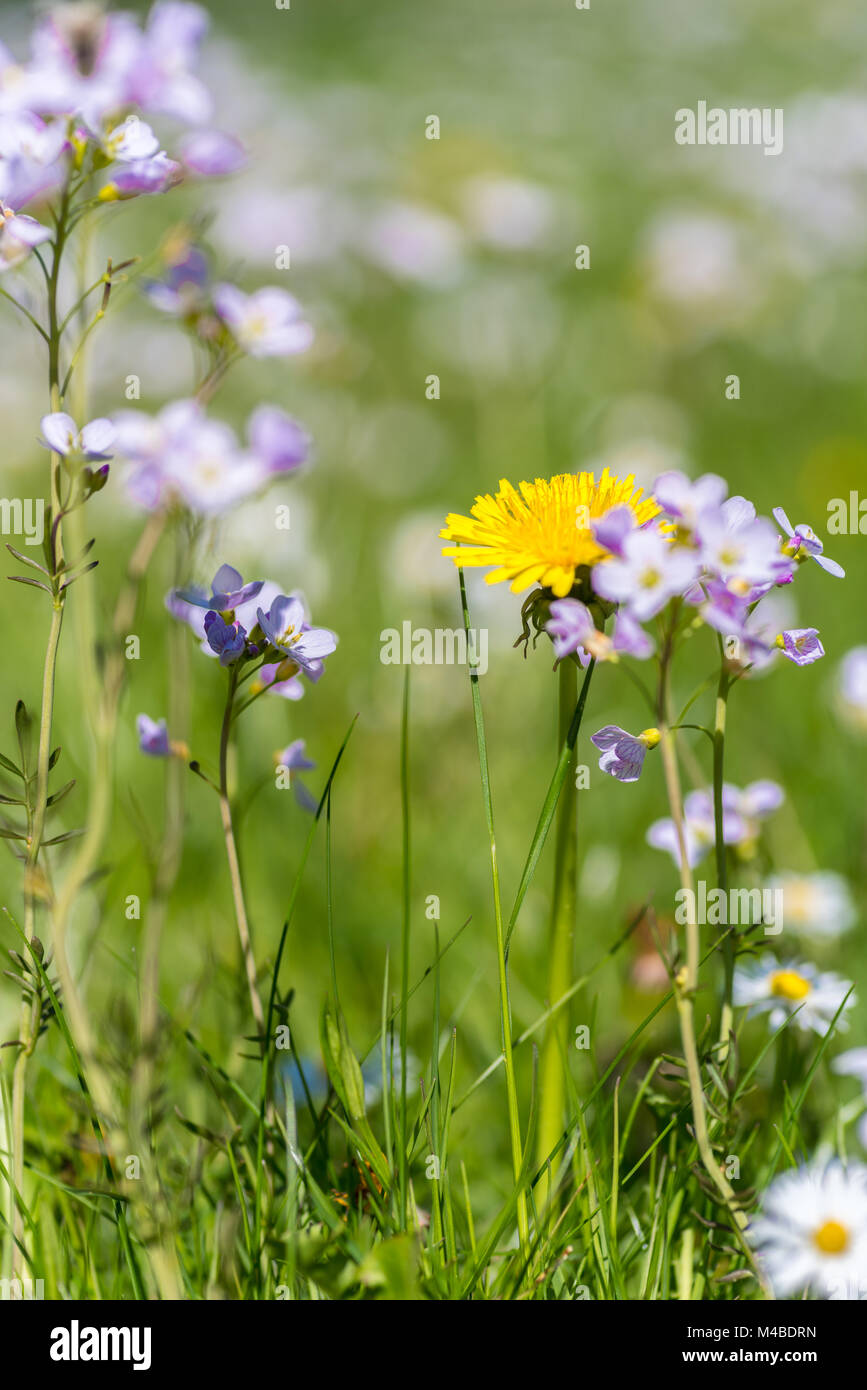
(455, 258)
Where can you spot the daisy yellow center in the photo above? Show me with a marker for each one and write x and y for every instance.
(832, 1238)
(788, 984)
(540, 532)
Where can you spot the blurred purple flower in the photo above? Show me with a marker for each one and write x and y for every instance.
(612, 529)
(142, 176)
(649, 573)
(267, 323)
(277, 439)
(294, 759)
(629, 637)
(268, 679)
(30, 156)
(211, 153)
(685, 499)
(18, 236)
(698, 827)
(153, 738)
(183, 289)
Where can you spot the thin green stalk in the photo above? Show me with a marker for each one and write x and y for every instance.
(233, 862)
(686, 980)
(406, 905)
(522, 1209)
(730, 943)
(546, 816)
(37, 812)
(552, 1082)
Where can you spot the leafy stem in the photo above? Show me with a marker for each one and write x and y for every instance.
(233, 860)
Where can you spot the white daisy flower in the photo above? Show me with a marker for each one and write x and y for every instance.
(812, 1232)
(792, 988)
(817, 904)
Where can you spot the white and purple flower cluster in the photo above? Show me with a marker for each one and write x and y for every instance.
(711, 553)
(75, 107)
(184, 457)
(256, 620)
(263, 633)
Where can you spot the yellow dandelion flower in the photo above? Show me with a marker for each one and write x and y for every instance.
(539, 533)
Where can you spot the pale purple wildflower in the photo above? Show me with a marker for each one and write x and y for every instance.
(183, 289)
(755, 801)
(649, 573)
(699, 829)
(612, 529)
(61, 434)
(228, 591)
(686, 500)
(285, 627)
(623, 754)
(268, 679)
(267, 323)
(228, 640)
(629, 637)
(801, 645)
(277, 439)
(741, 548)
(211, 153)
(161, 79)
(146, 441)
(30, 157)
(153, 737)
(143, 176)
(572, 630)
(806, 540)
(183, 456)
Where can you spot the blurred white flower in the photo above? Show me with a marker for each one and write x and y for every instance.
(413, 561)
(852, 688)
(696, 260)
(416, 243)
(818, 904)
(509, 214)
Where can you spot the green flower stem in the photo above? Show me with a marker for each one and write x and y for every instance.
(552, 1074)
(502, 968)
(729, 945)
(686, 979)
(406, 920)
(154, 1206)
(105, 688)
(29, 1026)
(233, 861)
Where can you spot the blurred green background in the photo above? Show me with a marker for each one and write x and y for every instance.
(456, 257)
